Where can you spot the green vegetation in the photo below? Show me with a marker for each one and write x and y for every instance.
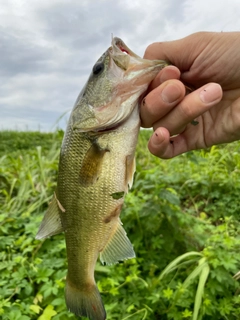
(182, 216)
(11, 141)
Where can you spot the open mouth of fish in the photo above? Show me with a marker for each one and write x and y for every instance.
(124, 59)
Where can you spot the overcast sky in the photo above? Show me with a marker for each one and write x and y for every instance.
(48, 47)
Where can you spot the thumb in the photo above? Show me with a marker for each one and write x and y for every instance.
(181, 53)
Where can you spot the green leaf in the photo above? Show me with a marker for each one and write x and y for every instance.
(186, 313)
(200, 290)
(175, 263)
(35, 308)
(197, 271)
(168, 293)
(48, 313)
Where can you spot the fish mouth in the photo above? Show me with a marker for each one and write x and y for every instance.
(128, 62)
(122, 55)
(126, 77)
(119, 45)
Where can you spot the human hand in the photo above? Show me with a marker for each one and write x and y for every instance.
(209, 62)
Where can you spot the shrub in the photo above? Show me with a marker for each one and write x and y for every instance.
(181, 216)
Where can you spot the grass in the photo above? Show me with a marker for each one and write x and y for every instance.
(182, 216)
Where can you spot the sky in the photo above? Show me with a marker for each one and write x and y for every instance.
(48, 48)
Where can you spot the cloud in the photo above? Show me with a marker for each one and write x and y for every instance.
(49, 47)
(212, 15)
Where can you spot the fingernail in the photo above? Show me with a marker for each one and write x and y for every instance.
(170, 93)
(211, 93)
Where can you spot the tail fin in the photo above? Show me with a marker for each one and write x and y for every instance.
(86, 302)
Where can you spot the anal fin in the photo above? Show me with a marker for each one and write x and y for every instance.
(118, 248)
(51, 223)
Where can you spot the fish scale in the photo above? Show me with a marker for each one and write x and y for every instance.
(96, 169)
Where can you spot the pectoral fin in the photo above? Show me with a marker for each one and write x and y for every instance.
(130, 169)
(51, 223)
(118, 248)
(91, 165)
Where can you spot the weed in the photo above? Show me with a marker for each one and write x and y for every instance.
(182, 216)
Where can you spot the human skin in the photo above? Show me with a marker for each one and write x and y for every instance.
(209, 63)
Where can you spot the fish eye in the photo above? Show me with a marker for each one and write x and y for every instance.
(98, 68)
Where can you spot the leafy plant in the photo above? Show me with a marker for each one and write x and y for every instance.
(182, 216)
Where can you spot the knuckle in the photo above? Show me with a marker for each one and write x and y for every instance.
(150, 52)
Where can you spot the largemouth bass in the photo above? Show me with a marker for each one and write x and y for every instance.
(96, 170)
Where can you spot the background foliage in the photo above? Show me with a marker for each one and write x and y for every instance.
(188, 205)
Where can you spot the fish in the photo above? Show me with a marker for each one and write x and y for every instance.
(96, 169)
